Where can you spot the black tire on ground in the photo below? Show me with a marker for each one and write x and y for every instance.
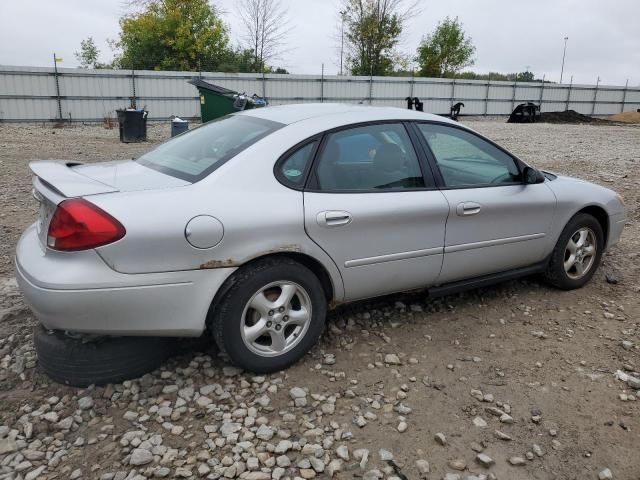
(102, 360)
(227, 314)
(555, 273)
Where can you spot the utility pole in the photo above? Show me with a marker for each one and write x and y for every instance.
(564, 53)
(343, 13)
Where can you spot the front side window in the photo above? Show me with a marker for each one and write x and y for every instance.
(369, 158)
(195, 154)
(466, 160)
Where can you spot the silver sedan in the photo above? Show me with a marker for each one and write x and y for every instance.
(251, 226)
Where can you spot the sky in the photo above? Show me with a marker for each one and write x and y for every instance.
(509, 35)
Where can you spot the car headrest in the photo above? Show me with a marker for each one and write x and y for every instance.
(389, 158)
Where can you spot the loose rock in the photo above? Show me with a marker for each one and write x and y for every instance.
(484, 460)
(605, 474)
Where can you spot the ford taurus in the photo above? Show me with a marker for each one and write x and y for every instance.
(250, 226)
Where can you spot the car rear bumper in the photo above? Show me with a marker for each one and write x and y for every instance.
(79, 292)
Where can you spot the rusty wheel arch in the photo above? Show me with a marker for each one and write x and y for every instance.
(311, 263)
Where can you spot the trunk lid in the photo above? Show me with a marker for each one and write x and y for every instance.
(128, 176)
(73, 179)
(57, 180)
(62, 179)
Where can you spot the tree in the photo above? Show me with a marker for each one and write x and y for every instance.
(173, 35)
(237, 60)
(372, 32)
(446, 51)
(266, 28)
(88, 54)
(526, 76)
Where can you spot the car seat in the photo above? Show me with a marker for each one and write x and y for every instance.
(388, 165)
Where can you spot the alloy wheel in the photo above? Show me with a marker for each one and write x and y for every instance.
(580, 253)
(276, 318)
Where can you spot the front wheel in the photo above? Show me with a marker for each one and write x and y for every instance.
(577, 254)
(271, 316)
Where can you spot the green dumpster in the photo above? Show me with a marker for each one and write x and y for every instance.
(216, 101)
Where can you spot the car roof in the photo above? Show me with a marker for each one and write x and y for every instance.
(293, 113)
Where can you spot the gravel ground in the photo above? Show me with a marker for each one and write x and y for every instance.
(510, 382)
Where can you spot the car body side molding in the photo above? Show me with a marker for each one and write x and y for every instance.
(492, 243)
(392, 256)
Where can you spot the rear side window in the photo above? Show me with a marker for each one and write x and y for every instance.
(369, 158)
(195, 154)
(292, 171)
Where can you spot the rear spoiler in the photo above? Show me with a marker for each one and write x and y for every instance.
(60, 177)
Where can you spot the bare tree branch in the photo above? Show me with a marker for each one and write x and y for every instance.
(266, 28)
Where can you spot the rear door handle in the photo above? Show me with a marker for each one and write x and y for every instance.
(468, 208)
(333, 218)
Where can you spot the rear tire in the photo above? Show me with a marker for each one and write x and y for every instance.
(72, 361)
(271, 316)
(577, 254)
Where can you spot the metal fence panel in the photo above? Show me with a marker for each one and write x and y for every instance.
(352, 91)
(632, 100)
(474, 107)
(606, 108)
(500, 92)
(610, 95)
(30, 94)
(526, 93)
(96, 86)
(439, 88)
(582, 95)
(390, 89)
(579, 107)
(554, 93)
(42, 84)
(470, 91)
(163, 87)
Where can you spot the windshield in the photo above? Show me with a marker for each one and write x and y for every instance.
(195, 154)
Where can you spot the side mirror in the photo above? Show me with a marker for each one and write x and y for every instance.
(531, 175)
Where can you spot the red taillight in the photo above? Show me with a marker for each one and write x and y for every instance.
(80, 225)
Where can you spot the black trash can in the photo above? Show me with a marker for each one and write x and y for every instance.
(178, 126)
(133, 125)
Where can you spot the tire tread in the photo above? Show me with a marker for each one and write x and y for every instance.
(555, 274)
(72, 362)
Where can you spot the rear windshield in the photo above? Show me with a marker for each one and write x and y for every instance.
(195, 154)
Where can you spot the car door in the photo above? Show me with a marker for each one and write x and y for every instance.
(496, 222)
(369, 205)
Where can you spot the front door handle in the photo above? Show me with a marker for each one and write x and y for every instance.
(468, 208)
(333, 218)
